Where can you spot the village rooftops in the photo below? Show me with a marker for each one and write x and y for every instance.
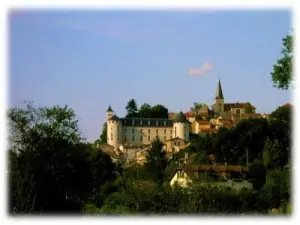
(246, 105)
(191, 170)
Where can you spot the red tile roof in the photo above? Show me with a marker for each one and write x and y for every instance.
(246, 105)
(203, 122)
(189, 114)
(208, 130)
(287, 105)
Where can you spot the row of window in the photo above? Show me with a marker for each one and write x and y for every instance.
(141, 123)
(149, 131)
(141, 138)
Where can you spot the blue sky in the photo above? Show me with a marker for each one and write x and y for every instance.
(90, 59)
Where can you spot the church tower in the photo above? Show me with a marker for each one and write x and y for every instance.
(218, 106)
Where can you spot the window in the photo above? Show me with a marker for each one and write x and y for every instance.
(141, 130)
(125, 139)
(165, 131)
(141, 122)
(149, 122)
(148, 138)
(238, 111)
(180, 174)
(175, 133)
(133, 130)
(133, 122)
(156, 122)
(111, 137)
(165, 138)
(132, 137)
(149, 131)
(156, 131)
(141, 138)
(165, 123)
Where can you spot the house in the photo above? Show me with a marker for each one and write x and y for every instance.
(115, 154)
(230, 176)
(175, 145)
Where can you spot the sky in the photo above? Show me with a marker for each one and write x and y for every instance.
(89, 60)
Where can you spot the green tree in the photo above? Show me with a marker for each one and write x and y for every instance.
(257, 173)
(196, 108)
(273, 155)
(156, 160)
(132, 109)
(282, 70)
(50, 169)
(277, 189)
(282, 113)
(159, 111)
(103, 136)
(145, 111)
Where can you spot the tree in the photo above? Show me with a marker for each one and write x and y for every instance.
(50, 169)
(103, 136)
(282, 113)
(132, 109)
(145, 111)
(156, 159)
(196, 108)
(273, 155)
(282, 70)
(257, 172)
(159, 111)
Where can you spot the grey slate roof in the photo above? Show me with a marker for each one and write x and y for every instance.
(147, 122)
(109, 109)
(180, 118)
(114, 117)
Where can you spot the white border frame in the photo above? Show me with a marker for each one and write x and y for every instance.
(138, 5)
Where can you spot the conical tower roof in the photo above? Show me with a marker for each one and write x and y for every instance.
(109, 109)
(114, 117)
(219, 93)
(180, 118)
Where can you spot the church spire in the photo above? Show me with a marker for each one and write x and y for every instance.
(219, 93)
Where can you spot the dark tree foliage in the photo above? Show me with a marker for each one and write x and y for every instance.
(50, 168)
(282, 113)
(145, 111)
(159, 111)
(257, 172)
(103, 136)
(156, 160)
(132, 109)
(282, 70)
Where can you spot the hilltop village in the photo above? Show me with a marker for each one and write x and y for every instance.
(131, 137)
